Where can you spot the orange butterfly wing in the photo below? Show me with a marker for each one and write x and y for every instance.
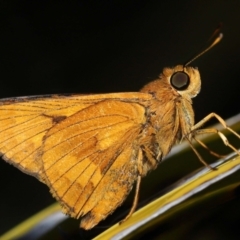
(90, 158)
(83, 147)
(23, 123)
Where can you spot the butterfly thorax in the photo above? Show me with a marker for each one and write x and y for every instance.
(170, 118)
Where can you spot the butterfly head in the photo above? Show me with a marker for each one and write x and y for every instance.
(185, 80)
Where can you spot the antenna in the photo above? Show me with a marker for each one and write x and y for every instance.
(216, 41)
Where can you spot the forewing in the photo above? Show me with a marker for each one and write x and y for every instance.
(25, 121)
(89, 158)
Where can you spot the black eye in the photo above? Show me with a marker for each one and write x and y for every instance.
(180, 80)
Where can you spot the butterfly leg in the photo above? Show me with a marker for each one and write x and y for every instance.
(198, 155)
(209, 150)
(197, 131)
(221, 135)
(214, 115)
(136, 196)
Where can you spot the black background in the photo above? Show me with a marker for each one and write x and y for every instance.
(109, 46)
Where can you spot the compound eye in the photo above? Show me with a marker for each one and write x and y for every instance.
(180, 80)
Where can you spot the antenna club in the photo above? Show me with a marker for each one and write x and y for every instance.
(216, 41)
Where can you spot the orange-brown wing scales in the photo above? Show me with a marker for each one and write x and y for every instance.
(23, 124)
(112, 189)
(90, 155)
(21, 138)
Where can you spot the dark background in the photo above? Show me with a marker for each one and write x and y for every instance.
(109, 46)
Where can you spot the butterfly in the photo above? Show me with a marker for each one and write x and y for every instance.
(91, 149)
